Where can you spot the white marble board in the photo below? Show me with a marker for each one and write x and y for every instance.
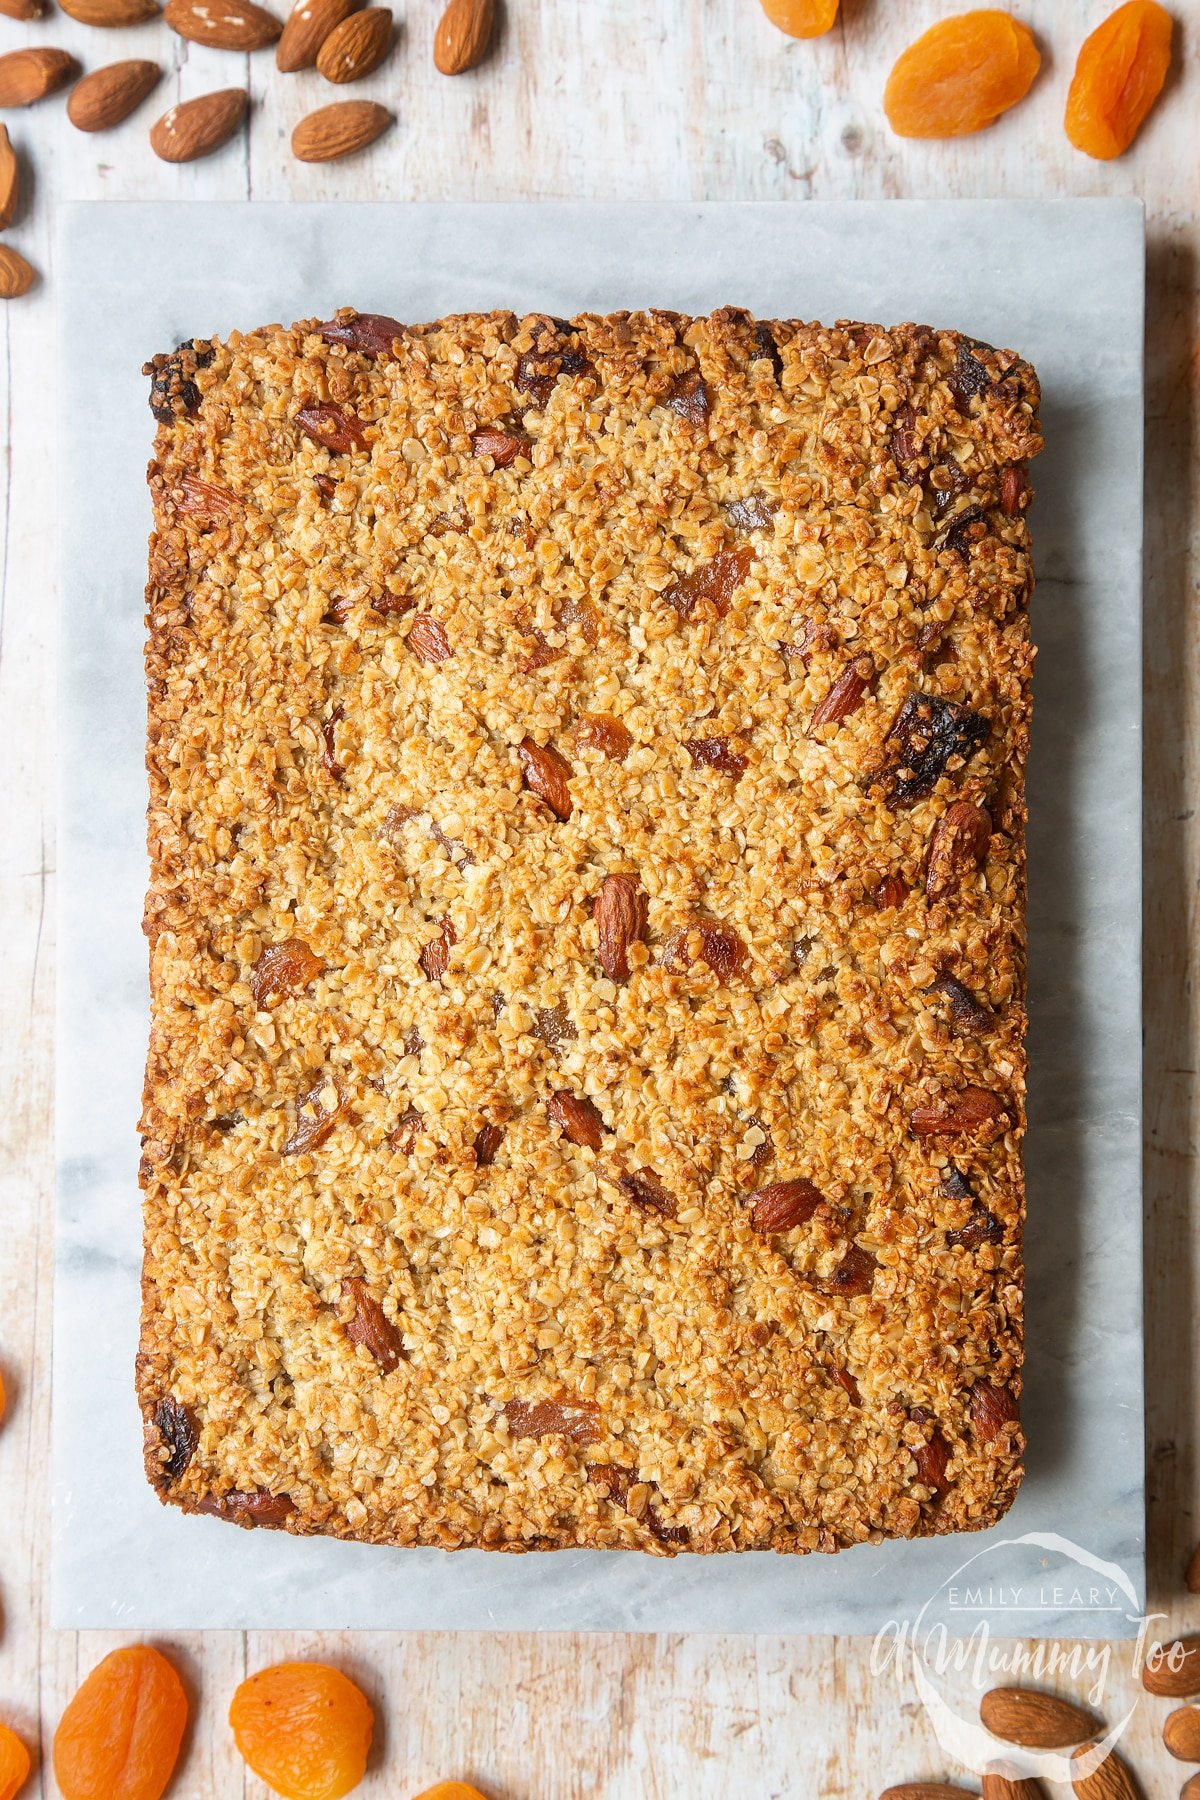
(1060, 281)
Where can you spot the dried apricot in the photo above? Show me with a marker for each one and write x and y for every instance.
(119, 1737)
(1118, 77)
(14, 1764)
(802, 18)
(960, 75)
(452, 1790)
(304, 1728)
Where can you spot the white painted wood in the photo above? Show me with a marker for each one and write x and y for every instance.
(600, 99)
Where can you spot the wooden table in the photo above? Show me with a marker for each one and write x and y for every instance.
(688, 99)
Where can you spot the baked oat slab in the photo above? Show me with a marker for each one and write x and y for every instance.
(586, 1079)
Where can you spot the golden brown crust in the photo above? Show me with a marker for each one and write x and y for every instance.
(449, 626)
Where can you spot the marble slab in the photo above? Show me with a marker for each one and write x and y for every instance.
(1062, 282)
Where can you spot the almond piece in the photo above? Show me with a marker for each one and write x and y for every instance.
(435, 957)
(1181, 1733)
(29, 75)
(1111, 1781)
(339, 130)
(958, 845)
(427, 639)
(783, 1206)
(10, 181)
(502, 446)
(110, 13)
(370, 1326)
(16, 275)
(579, 1119)
(547, 775)
(332, 427)
(308, 25)
(1181, 1681)
(106, 96)
(620, 914)
(576, 1420)
(357, 46)
(992, 1408)
(958, 1114)
(646, 1191)
(463, 35)
(1035, 1720)
(845, 696)
(196, 128)
(223, 24)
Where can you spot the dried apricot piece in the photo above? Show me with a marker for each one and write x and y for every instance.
(960, 75)
(802, 18)
(14, 1764)
(452, 1790)
(1118, 77)
(304, 1728)
(119, 1736)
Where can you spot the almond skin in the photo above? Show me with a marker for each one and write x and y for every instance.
(196, 128)
(110, 13)
(1034, 1720)
(309, 24)
(106, 96)
(1111, 1781)
(16, 275)
(357, 46)
(29, 75)
(223, 24)
(463, 35)
(10, 184)
(339, 130)
(1179, 1683)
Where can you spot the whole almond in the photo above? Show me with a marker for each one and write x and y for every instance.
(309, 24)
(1035, 1720)
(1181, 1733)
(620, 913)
(1192, 1577)
(357, 46)
(1001, 1783)
(196, 128)
(16, 275)
(958, 844)
(106, 96)
(548, 775)
(29, 75)
(339, 130)
(110, 13)
(463, 35)
(1111, 1781)
(1178, 1683)
(22, 9)
(1190, 1789)
(10, 182)
(925, 1790)
(223, 24)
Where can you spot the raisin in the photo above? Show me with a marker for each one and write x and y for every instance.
(904, 446)
(175, 1424)
(172, 389)
(1119, 75)
(404, 1133)
(960, 75)
(435, 957)
(968, 1017)
(554, 1025)
(767, 349)
(855, 1273)
(303, 1728)
(753, 513)
(955, 1185)
(119, 1737)
(723, 950)
(960, 534)
(689, 397)
(712, 585)
(602, 732)
(488, 1140)
(249, 1509)
(580, 1121)
(968, 378)
(715, 753)
(982, 1227)
(332, 766)
(373, 334)
(927, 733)
(370, 1326)
(576, 1420)
(284, 968)
(802, 18)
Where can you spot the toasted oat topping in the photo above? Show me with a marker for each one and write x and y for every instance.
(586, 761)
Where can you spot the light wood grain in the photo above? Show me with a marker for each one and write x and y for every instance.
(604, 99)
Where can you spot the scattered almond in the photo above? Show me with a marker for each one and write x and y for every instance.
(620, 915)
(370, 1326)
(1002, 1783)
(29, 75)
(196, 128)
(992, 1408)
(958, 845)
(339, 130)
(1035, 1720)
(1111, 1781)
(223, 24)
(308, 25)
(958, 1114)
(581, 1123)
(16, 275)
(110, 13)
(925, 1790)
(463, 35)
(1181, 1733)
(1179, 1682)
(357, 46)
(1192, 1577)
(1190, 1789)
(106, 96)
(10, 184)
(22, 9)
(547, 774)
